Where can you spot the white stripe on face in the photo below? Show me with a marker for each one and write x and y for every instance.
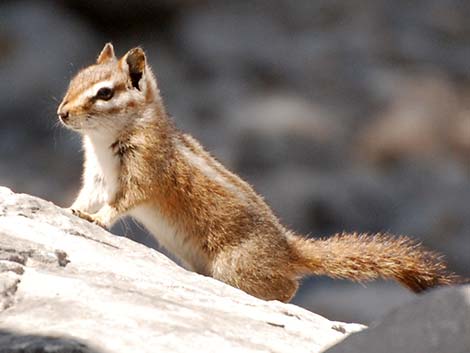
(91, 92)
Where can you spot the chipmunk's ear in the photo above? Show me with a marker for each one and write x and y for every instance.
(135, 60)
(106, 54)
(134, 65)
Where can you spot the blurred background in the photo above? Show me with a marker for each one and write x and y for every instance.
(347, 115)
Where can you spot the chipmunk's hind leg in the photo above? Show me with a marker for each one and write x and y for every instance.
(266, 276)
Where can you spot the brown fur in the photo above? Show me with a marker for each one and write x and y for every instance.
(233, 232)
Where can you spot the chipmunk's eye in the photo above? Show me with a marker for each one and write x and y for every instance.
(104, 93)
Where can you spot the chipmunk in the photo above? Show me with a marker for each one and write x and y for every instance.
(138, 163)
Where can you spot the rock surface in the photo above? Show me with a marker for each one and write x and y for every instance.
(69, 286)
(437, 323)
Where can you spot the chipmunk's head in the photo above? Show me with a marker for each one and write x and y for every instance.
(110, 94)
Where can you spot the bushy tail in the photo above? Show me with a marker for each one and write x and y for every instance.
(362, 257)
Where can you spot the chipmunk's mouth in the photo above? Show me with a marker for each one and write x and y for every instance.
(67, 121)
(80, 122)
(70, 121)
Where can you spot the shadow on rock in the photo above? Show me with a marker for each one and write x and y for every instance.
(15, 342)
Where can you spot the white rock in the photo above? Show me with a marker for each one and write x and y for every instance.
(67, 285)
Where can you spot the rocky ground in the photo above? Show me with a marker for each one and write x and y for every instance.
(69, 286)
(346, 115)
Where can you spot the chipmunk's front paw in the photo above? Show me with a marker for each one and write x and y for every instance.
(88, 217)
(82, 214)
(100, 223)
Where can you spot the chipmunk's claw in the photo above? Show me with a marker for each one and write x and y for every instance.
(88, 217)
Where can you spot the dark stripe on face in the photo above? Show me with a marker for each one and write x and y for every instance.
(82, 83)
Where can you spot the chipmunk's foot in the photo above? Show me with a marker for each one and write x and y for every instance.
(89, 217)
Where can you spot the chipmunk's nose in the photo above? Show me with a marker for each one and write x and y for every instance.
(63, 115)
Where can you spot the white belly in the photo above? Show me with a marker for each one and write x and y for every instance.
(170, 237)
